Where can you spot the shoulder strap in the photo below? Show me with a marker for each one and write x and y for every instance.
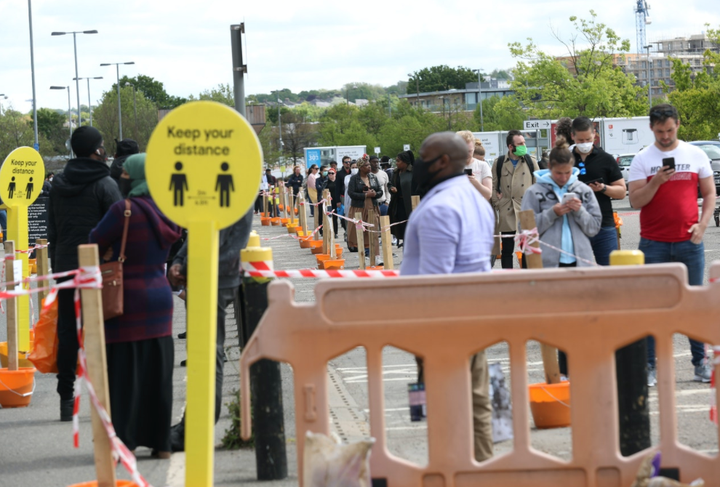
(498, 170)
(528, 161)
(126, 223)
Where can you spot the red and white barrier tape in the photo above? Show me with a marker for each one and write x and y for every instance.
(90, 278)
(312, 273)
(32, 249)
(525, 239)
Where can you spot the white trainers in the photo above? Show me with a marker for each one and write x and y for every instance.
(652, 376)
(703, 373)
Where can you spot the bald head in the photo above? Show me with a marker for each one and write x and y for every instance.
(446, 143)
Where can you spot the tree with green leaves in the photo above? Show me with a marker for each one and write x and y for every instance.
(16, 130)
(152, 90)
(504, 113)
(137, 127)
(697, 96)
(222, 93)
(586, 82)
(51, 124)
(440, 78)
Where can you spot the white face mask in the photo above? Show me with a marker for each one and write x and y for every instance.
(585, 147)
(354, 170)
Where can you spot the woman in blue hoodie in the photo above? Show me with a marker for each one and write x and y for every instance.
(564, 225)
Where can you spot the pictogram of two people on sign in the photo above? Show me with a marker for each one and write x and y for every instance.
(224, 185)
(28, 188)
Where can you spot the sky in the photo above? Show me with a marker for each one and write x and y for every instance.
(300, 45)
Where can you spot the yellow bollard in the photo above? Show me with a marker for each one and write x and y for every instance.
(627, 257)
(265, 378)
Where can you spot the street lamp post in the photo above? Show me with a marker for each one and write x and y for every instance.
(482, 122)
(647, 48)
(134, 109)
(89, 102)
(277, 97)
(77, 80)
(32, 72)
(117, 67)
(69, 114)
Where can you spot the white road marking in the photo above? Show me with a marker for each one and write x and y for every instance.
(176, 470)
(398, 428)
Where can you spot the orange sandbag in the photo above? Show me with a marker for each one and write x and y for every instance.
(44, 352)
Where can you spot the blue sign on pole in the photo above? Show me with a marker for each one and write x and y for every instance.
(36, 146)
(312, 156)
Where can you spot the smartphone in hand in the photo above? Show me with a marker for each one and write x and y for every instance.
(468, 171)
(668, 163)
(567, 197)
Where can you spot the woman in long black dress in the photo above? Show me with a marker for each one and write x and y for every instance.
(139, 343)
(402, 188)
(364, 190)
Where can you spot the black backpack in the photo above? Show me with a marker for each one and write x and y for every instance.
(501, 160)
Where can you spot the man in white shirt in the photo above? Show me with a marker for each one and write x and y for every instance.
(481, 176)
(664, 180)
(383, 179)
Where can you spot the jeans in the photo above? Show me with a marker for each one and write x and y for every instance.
(383, 209)
(693, 256)
(603, 244)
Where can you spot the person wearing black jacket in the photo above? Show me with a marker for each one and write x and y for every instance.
(403, 187)
(333, 186)
(295, 180)
(232, 239)
(79, 199)
(344, 171)
(364, 190)
(125, 148)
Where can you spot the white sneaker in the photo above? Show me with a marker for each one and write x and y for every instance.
(703, 373)
(652, 376)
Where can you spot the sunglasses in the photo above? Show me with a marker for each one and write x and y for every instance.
(582, 168)
(662, 113)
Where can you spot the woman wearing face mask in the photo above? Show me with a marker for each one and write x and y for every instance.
(320, 180)
(364, 190)
(333, 187)
(311, 189)
(564, 222)
(402, 188)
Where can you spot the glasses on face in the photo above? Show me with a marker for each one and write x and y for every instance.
(662, 113)
(582, 168)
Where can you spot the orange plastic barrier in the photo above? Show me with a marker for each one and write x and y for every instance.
(589, 313)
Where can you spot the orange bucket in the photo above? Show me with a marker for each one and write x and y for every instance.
(314, 244)
(284, 221)
(281, 207)
(16, 387)
(292, 228)
(322, 257)
(316, 250)
(304, 243)
(118, 483)
(22, 356)
(334, 264)
(519, 257)
(296, 211)
(265, 221)
(550, 404)
(275, 221)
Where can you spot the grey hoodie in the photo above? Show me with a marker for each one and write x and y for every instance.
(584, 223)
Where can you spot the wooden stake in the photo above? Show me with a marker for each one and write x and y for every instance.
(534, 261)
(12, 309)
(372, 237)
(265, 204)
(94, 329)
(386, 242)
(360, 240)
(302, 211)
(415, 199)
(325, 218)
(284, 198)
(43, 266)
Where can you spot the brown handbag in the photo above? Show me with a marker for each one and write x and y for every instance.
(112, 276)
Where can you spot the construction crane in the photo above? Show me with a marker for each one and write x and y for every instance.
(642, 18)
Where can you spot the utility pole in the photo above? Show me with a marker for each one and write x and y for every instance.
(239, 69)
(649, 79)
(482, 122)
(32, 71)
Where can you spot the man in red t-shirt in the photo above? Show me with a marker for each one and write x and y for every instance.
(664, 178)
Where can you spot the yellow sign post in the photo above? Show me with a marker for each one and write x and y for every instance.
(21, 180)
(204, 165)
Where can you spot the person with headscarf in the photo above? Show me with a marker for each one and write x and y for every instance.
(402, 188)
(139, 343)
(365, 191)
(79, 198)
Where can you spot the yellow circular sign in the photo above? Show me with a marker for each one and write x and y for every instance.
(21, 177)
(204, 163)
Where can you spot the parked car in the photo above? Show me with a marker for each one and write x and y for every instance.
(624, 161)
(712, 149)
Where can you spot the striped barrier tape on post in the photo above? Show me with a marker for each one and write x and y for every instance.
(314, 274)
(264, 266)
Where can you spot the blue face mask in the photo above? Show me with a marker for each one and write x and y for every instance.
(324, 173)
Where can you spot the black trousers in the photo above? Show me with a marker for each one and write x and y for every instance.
(562, 358)
(67, 343)
(508, 250)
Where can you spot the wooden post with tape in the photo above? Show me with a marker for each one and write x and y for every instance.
(94, 339)
(372, 237)
(12, 309)
(534, 261)
(415, 201)
(360, 240)
(386, 242)
(43, 265)
(302, 211)
(325, 218)
(265, 203)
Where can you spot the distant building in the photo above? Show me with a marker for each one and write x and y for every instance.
(464, 100)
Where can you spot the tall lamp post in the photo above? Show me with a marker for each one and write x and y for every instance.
(77, 80)
(89, 102)
(69, 116)
(482, 122)
(647, 48)
(134, 110)
(117, 68)
(277, 96)
(32, 73)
